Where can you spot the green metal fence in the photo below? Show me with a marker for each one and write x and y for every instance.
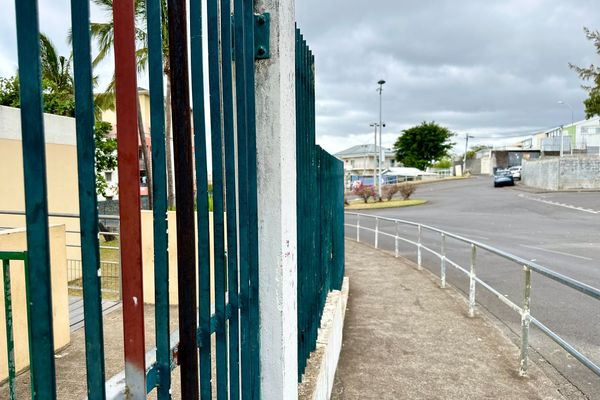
(320, 211)
(218, 330)
(6, 257)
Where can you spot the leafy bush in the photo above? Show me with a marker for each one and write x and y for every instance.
(389, 191)
(407, 189)
(364, 192)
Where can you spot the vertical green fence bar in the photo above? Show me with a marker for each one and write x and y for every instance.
(252, 205)
(154, 22)
(300, 178)
(216, 125)
(240, 31)
(36, 205)
(230, 198)
(8, 319)
(88, 207)
(202, 213)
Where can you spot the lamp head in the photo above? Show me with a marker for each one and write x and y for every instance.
(381, 82)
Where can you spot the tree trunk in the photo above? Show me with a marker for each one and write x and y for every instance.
(145, 157)
(169, 141)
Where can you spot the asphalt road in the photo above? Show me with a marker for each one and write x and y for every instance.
(558, 230)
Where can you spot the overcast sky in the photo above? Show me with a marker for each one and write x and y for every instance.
(489, 68)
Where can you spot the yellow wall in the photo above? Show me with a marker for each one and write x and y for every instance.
(15, 240)
(111, 116)
(61, 164)
(148, 257)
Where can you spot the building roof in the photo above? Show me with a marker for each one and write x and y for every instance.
(361, 150)
(405, 171)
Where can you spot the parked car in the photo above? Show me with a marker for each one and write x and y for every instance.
(516, 172)
(503, 177)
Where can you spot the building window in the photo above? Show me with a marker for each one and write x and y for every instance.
(392, 163)
(108, 176)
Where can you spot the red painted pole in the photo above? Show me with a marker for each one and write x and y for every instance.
(129, 198)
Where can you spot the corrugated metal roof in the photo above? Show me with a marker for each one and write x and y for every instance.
(361, 150)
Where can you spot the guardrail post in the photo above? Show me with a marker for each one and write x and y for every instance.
(376, 232)
(358, 228)
(472, 282)
(396, 250)
(419, 253)
(443, 263)
(523, 361)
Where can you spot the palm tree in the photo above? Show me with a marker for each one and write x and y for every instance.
(59, 98)
(56, 70)
(103, 32)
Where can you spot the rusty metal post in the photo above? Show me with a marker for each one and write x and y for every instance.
(523, 360)
(184, 187)
(129, 198)
(472, 281)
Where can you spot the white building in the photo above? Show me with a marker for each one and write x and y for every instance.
(360, 161)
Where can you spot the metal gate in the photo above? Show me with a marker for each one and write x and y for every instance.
(230, 322)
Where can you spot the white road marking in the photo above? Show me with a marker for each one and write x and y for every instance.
(557, 252)
(554, 203)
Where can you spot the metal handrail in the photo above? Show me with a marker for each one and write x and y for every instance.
(528, 267)
(59, 215)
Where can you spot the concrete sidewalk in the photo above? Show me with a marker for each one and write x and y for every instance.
(405, 338)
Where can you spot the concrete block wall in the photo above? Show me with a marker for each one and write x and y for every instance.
(579, 173)
(567, 173)
(542, 174)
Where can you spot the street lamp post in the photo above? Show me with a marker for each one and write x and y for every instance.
(375, 156)
(381, 155)
(572, 124)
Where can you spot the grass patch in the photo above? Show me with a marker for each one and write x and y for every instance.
(110, 280)
(360, 205)
(109, 254)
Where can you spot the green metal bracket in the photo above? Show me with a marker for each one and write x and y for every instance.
(262, 28)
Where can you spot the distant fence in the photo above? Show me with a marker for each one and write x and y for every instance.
(360, 224)
(320, 211)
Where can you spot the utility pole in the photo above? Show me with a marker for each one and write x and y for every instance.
(561, 141)
(464, 166)
(572, 124)
(380, 90)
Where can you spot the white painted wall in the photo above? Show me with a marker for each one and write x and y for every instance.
(57, 129)
(276, 158)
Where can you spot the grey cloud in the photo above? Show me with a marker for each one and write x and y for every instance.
(483, 67)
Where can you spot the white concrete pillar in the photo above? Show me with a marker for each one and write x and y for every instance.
(276, 158)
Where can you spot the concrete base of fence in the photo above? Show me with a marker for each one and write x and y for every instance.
(317, 381)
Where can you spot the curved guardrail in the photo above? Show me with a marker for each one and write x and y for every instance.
(528, 268)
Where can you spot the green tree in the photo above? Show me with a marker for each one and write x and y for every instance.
(423, 144)
(591, 74)
(103, 32)
(59, 99)
(106, 148)
(444, 163)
